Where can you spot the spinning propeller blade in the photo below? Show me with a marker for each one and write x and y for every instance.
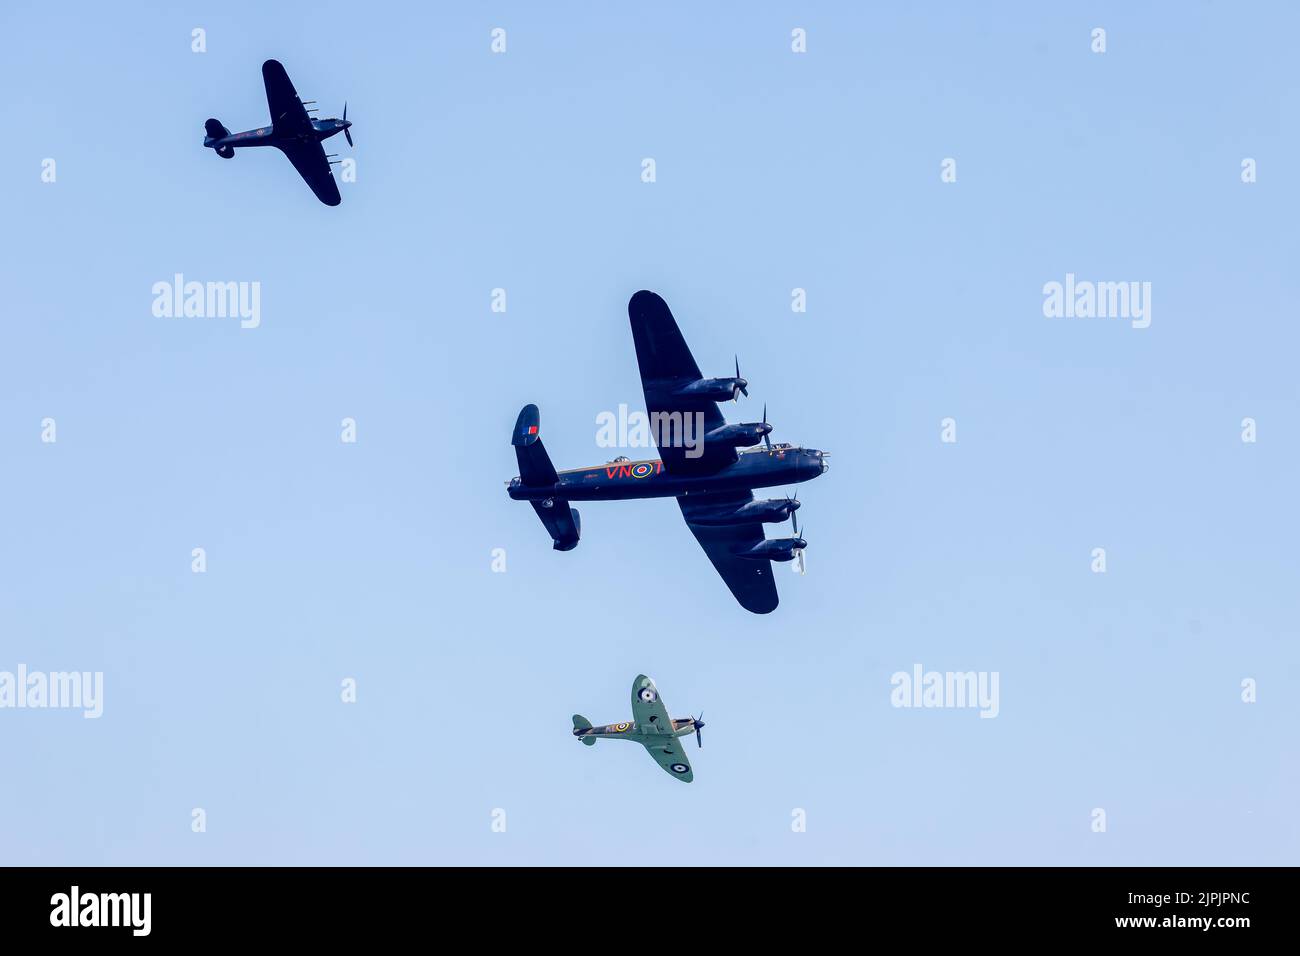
(798, 552)
(741, 386)
(347, 132)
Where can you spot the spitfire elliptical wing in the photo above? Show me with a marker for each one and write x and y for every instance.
(671, 755)
(656, 727)
(648, 710)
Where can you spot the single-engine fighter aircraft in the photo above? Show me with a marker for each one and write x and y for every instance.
(292, 131)
(651, 727)
(712, 481)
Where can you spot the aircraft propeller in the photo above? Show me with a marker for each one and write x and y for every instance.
(347, 132)
(800, 544)
(698, 722)
(740, 386)
(766, 440)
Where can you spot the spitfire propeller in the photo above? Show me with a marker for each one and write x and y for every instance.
(698, 724)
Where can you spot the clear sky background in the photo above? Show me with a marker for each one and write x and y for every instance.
(326, 560)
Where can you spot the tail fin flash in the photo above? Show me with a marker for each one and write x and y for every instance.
(535, 466)
(562, 522)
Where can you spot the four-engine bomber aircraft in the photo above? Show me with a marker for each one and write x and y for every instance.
(651, 727)
(292, 131)
(712, 482)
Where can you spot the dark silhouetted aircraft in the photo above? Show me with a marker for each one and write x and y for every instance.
(292, 131)
(699, 464)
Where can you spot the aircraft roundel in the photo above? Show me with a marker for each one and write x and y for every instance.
(678, 767)
(642, 470)
(647, 694)
(619, 728)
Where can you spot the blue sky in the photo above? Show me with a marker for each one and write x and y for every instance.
(775, 170)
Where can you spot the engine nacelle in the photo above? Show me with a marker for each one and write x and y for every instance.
(767, 511)
(777, 549)
(740, 435)
(710, 389)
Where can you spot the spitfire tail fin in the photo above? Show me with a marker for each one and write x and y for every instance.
(562, 522)
(581, 723)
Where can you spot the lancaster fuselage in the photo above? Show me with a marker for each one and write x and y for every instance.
(621, 480)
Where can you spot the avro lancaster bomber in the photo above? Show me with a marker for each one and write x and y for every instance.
(711, 478)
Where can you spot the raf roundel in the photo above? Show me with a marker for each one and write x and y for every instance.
(679, 767)
(619, 728)
(647, 695)
(642, 470)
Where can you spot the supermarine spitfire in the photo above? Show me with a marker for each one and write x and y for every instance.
(712, 481)
(292, 131)
(651, 727)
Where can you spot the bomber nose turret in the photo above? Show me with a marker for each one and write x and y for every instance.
(812, 463)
